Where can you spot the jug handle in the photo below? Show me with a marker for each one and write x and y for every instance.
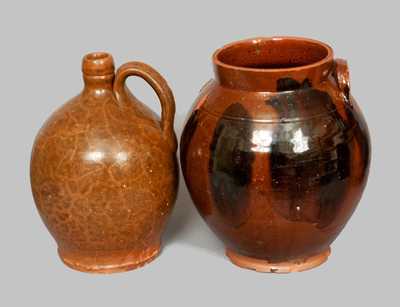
(341, 74)
(160, 86)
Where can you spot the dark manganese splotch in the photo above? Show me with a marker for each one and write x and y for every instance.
(186, 137)
(361, 136)
(289, 84)
(230, 164)
(333, 184)
(309, 182)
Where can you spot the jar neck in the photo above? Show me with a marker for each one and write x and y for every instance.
(98, 83)
(273, 64)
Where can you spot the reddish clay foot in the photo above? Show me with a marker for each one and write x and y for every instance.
(296, 265)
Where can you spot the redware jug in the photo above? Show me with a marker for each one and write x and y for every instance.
(276, 152)
(104, 171)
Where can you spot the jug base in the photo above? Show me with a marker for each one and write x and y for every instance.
(261, 265)
(106, 262)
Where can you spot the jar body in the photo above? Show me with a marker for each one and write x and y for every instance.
(276, 175)
(104, 181)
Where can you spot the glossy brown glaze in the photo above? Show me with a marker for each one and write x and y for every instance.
(276, 152)
(104, 172)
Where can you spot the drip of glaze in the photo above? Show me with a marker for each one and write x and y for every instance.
(290, 84)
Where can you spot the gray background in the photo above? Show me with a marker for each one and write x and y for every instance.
(41, 48)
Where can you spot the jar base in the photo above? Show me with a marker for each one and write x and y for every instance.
(108, 262)
(295, 265)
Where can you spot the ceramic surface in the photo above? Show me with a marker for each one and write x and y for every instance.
(104, 171)
(276, 152)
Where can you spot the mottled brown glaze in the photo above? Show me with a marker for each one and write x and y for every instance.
(104, 171)
(276, 152)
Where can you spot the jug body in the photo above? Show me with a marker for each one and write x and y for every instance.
(104, 170)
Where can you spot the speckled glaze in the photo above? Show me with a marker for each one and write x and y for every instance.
(104, 171)
(276, 152)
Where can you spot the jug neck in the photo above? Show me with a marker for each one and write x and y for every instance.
(98, 72)
(273, 64)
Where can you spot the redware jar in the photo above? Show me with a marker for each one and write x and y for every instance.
(276, 152)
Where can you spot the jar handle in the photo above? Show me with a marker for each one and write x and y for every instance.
(160, 86)
(341, 74)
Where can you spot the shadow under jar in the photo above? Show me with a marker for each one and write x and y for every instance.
(276, 152)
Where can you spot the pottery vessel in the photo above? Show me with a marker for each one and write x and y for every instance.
(276, 152)
(104, 171)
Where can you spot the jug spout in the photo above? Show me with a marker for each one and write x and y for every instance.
(98, 70)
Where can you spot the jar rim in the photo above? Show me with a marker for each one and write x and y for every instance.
(261, 63)
(257, 41)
